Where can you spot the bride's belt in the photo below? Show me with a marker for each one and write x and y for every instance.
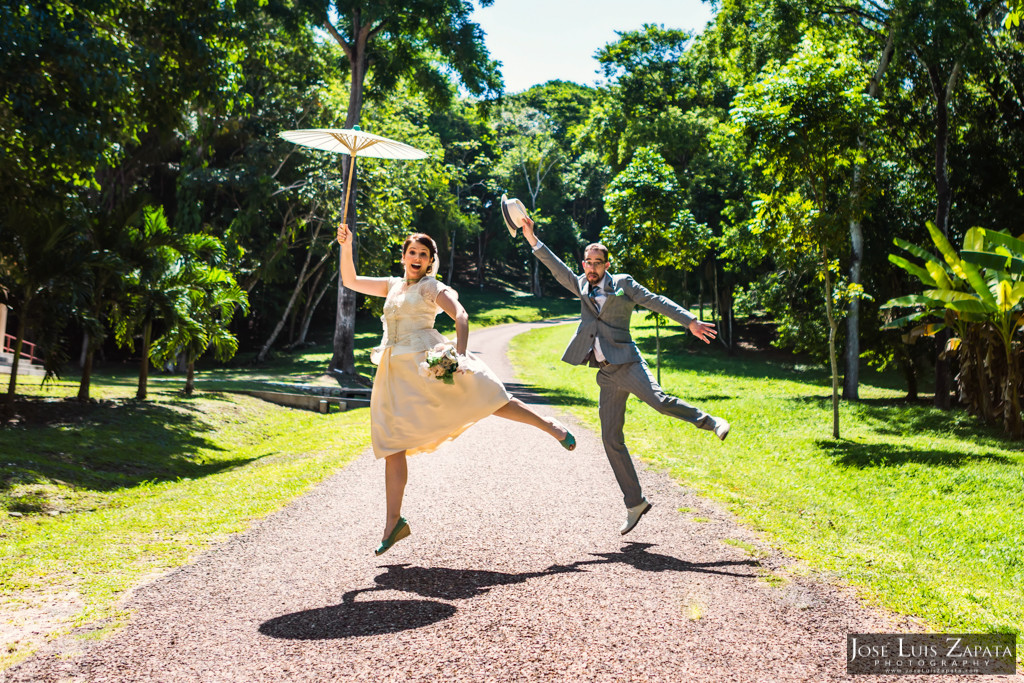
(416, 341)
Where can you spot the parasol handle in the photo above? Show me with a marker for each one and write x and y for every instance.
(348, 186)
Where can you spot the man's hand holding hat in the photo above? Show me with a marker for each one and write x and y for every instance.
(513, 211)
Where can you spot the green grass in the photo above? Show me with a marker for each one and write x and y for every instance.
(918, 508)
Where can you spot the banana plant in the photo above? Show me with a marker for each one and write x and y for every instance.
(978, 291)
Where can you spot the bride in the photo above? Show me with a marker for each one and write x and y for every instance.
(412, 411)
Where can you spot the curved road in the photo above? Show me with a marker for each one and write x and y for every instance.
(515, 571)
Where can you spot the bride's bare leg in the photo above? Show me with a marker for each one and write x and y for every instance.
(396, 474)
(520, 412)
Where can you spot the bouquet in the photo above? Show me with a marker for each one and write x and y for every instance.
(441, 362)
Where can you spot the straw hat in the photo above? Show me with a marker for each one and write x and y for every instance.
(513, 211)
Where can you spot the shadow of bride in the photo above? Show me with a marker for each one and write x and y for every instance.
(373, 617)
(448, 584)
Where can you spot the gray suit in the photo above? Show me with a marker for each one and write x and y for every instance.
(625, 371)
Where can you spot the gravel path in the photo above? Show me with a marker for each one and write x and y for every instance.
(515, 571)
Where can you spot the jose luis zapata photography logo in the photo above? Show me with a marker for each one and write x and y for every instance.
(931, 653)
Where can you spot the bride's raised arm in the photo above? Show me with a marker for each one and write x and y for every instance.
(373, 286)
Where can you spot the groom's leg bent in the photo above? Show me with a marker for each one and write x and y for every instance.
(642, 384)
(612, 411)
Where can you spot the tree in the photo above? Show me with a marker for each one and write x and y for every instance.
(804, 121)
(650, 234)
(39, 270)
(671, 91)
(529, 154)
(63, 108)
(421, 41)
(205, 298)
(980, 293)
(152, 291)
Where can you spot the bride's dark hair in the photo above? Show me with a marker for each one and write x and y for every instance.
(428, 242)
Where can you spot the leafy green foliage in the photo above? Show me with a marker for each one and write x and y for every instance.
(980, 292)
(651, 235)
(200, 297)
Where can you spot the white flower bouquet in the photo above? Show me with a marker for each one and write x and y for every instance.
(441, 362)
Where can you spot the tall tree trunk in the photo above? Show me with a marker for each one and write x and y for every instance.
(343, 359)
(190, 377)
(84, 351)
(700, 298)
(95, 341)
(86, 381)
(312, 309)
(451, 258)
(832, 356)
(851, 378)
(943, 91)
(147, 337)
(657, 343)
(481, 247)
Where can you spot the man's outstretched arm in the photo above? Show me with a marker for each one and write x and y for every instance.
(642, 296)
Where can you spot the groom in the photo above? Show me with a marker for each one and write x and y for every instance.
(603, 341)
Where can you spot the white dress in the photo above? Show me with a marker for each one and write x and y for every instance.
(411, 412)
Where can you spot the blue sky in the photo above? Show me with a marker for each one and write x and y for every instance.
(540, 40)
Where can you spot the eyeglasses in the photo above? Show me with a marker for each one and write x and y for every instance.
(594, 264)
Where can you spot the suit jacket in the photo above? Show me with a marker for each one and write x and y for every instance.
(611, 325)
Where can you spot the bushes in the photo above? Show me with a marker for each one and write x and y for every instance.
(979, 295)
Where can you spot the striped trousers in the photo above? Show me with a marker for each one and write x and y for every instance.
(617, 382)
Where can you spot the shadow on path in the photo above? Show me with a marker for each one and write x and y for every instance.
(373, 617)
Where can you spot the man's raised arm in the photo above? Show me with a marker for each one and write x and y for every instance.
(562, 272)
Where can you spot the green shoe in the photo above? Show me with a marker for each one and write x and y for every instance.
(569, 442)
(400, 531)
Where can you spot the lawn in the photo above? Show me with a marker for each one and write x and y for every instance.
(920, 509)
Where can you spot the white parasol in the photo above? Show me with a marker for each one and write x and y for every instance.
(353, 142)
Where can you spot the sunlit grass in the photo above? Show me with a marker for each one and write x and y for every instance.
(921, 509)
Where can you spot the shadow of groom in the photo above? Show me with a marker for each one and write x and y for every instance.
(372, 617)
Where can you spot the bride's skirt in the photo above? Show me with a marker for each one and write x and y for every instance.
(417, 414)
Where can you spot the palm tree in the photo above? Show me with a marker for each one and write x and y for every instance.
(205, 298)
(149, 290)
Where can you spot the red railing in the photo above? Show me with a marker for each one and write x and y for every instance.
(30, 355)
